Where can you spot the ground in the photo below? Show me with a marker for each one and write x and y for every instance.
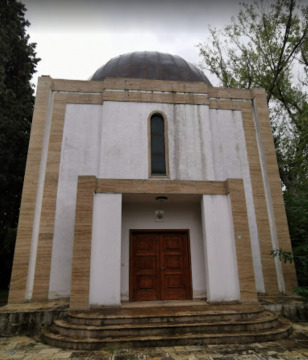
(295, 347)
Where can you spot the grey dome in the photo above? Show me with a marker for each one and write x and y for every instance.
(151, 65)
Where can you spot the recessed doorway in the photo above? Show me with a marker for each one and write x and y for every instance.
(160, 267)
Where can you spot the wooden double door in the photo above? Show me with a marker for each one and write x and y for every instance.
(160, 265)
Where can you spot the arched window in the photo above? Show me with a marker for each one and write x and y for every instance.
(158, 153)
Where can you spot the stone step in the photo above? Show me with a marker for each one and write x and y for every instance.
(283, 329)
(120, 316)
(268, 321)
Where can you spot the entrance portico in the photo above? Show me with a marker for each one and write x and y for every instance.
(109, 251)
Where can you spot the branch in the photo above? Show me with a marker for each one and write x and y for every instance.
(279, 68)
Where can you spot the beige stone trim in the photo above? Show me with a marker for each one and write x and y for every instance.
(45, 240)
(228, 93)
(242, 241)
(280, 218)
(82, 243)
(43, 260)
(160, 187)
(171, 98)
(27, 210)
(142, 90)
(228, 104)
(156, 85)
(264, 234)
(180, 88)
(78, 86)
(129, 84)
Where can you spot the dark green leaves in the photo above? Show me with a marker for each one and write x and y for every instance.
(17, 64)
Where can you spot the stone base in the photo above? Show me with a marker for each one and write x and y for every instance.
(295, 308)
(29, 318)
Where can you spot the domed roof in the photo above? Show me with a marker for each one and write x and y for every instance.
(151, 65)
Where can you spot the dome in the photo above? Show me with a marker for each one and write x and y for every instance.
(151, 65)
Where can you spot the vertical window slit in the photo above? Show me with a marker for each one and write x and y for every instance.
(158, 158)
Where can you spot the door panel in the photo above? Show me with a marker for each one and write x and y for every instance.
(173, 262)
(175, 283)
(159, 265)
(145, 266)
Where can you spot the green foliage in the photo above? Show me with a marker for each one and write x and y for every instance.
(17, 64)
(3, 297)
(299, 256)
(266, 46)
(301, 291)
(285, 256)
(261, 48)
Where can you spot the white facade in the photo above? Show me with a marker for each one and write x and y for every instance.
(106, 250)
(102, 152)
(111, 141)
(219, 250)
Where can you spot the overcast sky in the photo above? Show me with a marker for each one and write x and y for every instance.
(75, 37)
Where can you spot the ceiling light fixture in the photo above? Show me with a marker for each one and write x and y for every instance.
(161, 199)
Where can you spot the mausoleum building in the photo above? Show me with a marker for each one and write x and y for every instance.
(147, 183)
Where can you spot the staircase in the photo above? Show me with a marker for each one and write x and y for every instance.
(166, 326)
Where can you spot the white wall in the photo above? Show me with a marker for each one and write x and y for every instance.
(220, 253)
(124, 145)
(203, 145)
(230, 161)
(105, 272)
(79, 156)
(111, 141)
(180, 215)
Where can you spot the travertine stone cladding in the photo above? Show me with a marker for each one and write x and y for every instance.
(275, 195)
(27, 211)
(54, 95)
(44, 250)
(82, 243)
(242, 241)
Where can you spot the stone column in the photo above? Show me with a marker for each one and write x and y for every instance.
(105, 271)
(219, 249)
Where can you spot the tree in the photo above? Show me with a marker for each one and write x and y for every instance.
(17, 64)
(266, 46)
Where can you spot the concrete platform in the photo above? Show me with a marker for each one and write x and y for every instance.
(28, 318)
(295, 347)
(30, 348)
